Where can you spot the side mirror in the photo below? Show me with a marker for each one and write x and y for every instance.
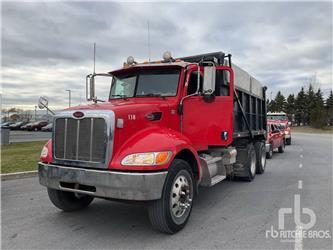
(209, 83)
(43, 102)
(90, 87)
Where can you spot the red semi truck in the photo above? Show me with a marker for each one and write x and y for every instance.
(167, 128)
(282, 118)
(275, 138)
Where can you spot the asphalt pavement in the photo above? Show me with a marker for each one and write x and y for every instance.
(26, 136)
(230, 215)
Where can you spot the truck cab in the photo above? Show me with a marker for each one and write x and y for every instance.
(275, 138)
(167, 128)
(282, 118)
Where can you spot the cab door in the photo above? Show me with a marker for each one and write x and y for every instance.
(207, 118)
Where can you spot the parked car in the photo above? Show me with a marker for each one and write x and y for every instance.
(26, 126)
(275, 138)
(17, 125)
(48, 127)
(6, 124)
(38, 125)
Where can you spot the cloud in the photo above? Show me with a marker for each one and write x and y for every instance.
(47, 47)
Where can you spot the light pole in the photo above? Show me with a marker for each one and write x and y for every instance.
(35, 113)
(69, 97)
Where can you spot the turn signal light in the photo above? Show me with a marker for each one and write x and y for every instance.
(161, 158)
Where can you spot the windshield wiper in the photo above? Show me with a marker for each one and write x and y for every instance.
(121, 96)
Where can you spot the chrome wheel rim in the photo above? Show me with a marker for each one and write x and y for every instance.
(263, 160)
(181, 198)
(253, 166)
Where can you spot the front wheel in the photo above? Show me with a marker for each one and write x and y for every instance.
(68, 201)
(281, 148)
(171, 213)
(288, 141)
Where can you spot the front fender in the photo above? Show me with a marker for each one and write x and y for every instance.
(152, 140)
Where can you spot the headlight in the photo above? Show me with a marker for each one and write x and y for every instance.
(44, 152)
(286, 132)
(147, 159)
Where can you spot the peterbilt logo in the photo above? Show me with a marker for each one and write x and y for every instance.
(78, 114)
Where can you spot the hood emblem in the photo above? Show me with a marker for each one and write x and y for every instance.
(78, 114)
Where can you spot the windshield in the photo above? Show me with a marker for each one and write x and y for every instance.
(277, 117)
(146, 83)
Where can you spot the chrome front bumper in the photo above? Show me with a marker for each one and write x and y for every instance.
(287, 136)
(103, 183)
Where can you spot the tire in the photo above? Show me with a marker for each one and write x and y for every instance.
(260, 157)
(281, 148)
(250, 164)
(288, 141)
(269, 154)
(161, 214)
(68, 201)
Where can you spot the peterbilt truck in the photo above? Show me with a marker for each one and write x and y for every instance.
(168, 128)
(282, 118)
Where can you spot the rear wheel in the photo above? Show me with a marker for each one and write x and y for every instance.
(281, 148)
(68, 201)
(260, 157)
(269, 154)
(171, 213)
(250, 163)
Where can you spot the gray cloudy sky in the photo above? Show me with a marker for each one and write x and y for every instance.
(47, 46)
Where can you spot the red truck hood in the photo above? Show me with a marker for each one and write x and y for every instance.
(120, 105)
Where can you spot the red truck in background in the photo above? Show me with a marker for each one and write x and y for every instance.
(275, 138)
(167, 128)
(282, 118)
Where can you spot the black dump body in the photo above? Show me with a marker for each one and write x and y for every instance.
(249, 96)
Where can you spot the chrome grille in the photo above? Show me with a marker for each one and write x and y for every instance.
(80, 139)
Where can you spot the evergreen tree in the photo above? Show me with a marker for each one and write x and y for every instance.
(290, 106)
(280, 102)
(309, 104)
(317, 111)
(300, 105)
(271, 106)
(329, 108)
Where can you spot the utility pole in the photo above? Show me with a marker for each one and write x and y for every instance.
(69, 97)
(35, 113)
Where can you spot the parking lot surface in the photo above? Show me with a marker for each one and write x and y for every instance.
(230, 215)
(25, 136)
